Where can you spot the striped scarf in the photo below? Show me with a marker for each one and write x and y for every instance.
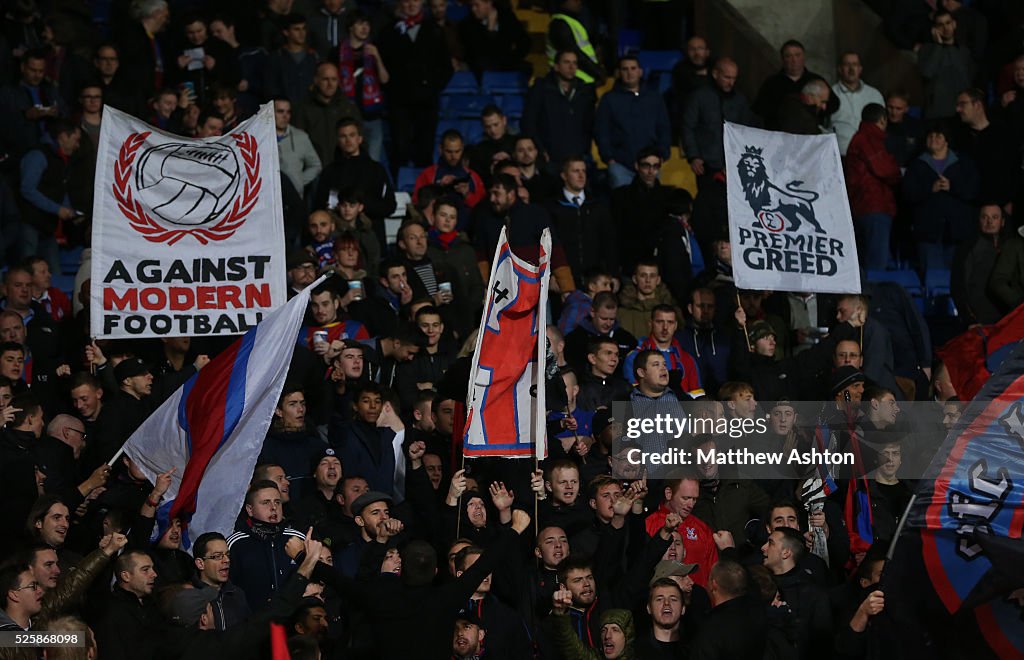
(372, 95)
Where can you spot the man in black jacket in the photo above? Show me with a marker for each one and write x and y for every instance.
(213, 564)
(416, 55)
(194, 609)
(507, 636)
(525, 223)
(493, 38)
(583, 224)
(559, 111)
(353, 167)
(807, 602)
(131, 405)
(426, 614)
(789, 81)
(131, 626)
(638, 209)
(733, 610)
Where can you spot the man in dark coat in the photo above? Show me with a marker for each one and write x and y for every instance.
(584, 224)
(973, 263)
(410, 603)
(559, 111)
(416, 55)
(131, 626)
(493, 38)
(734, 609)
(789, 81)
(639, 208)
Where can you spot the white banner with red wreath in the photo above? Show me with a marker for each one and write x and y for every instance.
(187, 236)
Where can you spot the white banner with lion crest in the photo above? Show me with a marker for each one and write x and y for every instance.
(187, 236)
(789, 217)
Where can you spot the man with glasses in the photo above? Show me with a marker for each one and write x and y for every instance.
(301, 271)
(23, 597)
(110, 78)
(703, 115)
(60, 451)
(638, 209)
(213, 564)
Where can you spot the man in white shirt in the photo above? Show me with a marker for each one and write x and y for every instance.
(853, 94)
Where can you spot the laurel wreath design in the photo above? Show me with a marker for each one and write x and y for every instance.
(152, 231)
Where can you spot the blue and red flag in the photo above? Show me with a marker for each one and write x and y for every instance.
(505, 406)
(969, 511)
(212, 428)
(971, 357)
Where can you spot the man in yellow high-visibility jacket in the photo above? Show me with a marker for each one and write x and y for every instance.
(567, 32)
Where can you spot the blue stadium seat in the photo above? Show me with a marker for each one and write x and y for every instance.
(466, 106)
(511, 105)
(462, 82)
(504, 82)
(660, 81)
(472, 131)
(936, 281)
(65, 283)
(629, 41)
(936, 284)
(70, 260)
(658, 60)
(906, 278)
(407, 179)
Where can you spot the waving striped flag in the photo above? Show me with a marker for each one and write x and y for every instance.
(212, 429)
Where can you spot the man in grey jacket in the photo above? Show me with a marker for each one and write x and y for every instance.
(946, 65)
(703, 115)
(299, 160)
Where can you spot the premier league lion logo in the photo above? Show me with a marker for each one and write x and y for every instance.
(177, 189)
(776, 209)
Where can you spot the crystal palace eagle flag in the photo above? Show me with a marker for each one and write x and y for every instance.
(187, 235)
(212, 428)
(970, 511)
(506, 390)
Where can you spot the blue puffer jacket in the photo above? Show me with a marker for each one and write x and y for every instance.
(628, 122)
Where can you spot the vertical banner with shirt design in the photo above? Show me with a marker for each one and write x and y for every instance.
(506, 415)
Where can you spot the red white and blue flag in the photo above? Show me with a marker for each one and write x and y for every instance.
(969, 512)
(212, 428)
(506, 414)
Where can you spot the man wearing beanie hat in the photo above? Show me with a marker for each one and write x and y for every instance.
(468, 642)
(132, 404)
(318, 503)
(301, 271)
(618, 634)
(847, 380)
(795, 377)
(425, 613)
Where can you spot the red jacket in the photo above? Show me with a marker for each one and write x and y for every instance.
(871, 173)
(435, 173)
(698, 541)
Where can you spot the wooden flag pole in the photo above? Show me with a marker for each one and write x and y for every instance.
(739, 305)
